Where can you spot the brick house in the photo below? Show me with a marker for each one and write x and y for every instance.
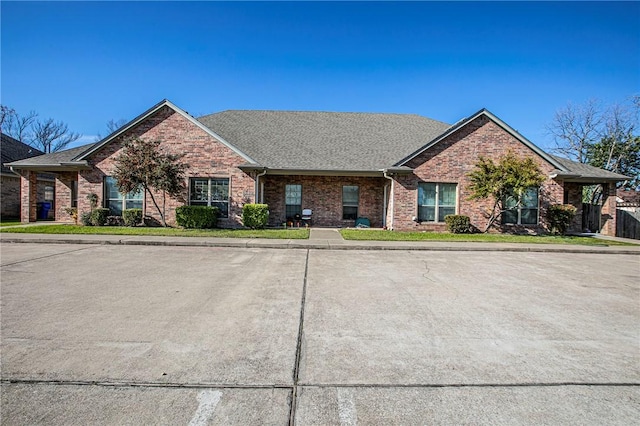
(400, 171)
(14, 150)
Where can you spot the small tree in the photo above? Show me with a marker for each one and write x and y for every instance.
(505, 181)
(143, 165)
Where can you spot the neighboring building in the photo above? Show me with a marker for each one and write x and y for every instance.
(13, 150)
(399, 171)
(628, 198)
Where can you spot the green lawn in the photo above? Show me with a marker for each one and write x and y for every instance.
(379, 235)
(298, 234)
(9, 222)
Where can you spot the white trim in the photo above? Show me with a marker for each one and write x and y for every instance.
(436, 206)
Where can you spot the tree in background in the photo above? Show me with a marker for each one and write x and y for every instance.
(112, 126)
(601, 137)
(46, 135)
(505, 182)
(143, 165)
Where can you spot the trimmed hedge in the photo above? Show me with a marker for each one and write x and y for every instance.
(197, 217)
(99, 216)
(560, 217)
(255, 216)
(132, 217)
(458, 224)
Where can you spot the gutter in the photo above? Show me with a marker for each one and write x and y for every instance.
(390, 224)
(264, 172)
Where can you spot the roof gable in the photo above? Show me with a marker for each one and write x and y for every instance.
(139, 119)
(486, 113)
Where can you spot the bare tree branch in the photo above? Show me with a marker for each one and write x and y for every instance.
(575, 128)
(16, 126)
(50, 136)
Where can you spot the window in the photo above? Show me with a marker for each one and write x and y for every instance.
(48, 193)
(293, 200)
(526, 213)
(74, 193)
(212, 192)
(350, 202)
(435, 201)
(116, 202)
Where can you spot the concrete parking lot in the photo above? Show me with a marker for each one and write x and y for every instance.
(98, 334)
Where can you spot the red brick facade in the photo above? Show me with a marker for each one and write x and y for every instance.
(323, 195)
(205, 156)
(448, 161)
(451, 160)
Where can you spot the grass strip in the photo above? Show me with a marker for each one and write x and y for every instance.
(290, 234)
(381, 235)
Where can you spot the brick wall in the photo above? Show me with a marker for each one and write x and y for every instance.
(10, 186)
(451, 160)
(323, 194)
(573, 196)
(206, 157)
(28, 196)
(63, 195)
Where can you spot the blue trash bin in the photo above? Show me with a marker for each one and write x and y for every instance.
(43, 210)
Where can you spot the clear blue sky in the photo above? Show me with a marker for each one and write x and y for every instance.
(88, 62)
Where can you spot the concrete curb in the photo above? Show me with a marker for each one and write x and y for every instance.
(326, 245)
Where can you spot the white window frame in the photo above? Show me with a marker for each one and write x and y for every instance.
(349, 204)
(286, 205)
(436, 215)
(520, 208)
(209, 201)
(123, 199)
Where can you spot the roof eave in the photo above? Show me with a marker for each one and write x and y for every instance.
(315, 172)
(588, 179)
(53, 167)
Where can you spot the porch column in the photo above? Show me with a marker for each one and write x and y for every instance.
(608, 214)
(28, 196)
(573, 196)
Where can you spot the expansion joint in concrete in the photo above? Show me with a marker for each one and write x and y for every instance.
(296, 367)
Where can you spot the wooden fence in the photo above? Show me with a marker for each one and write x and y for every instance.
(628, 223)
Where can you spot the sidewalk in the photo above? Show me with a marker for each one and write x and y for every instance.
(327, 239)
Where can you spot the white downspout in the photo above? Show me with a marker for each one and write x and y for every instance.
(390, 225)
(257, 189)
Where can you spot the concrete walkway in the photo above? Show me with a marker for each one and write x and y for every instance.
(329, 239)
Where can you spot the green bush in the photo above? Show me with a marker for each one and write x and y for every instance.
(114, 221)
(560, 217)
(132, 217)
(197, 217)
(255, 216)
(99, 216)
(458, 224)
(85, 218)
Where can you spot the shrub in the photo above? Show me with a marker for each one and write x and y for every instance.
(93, 200)
(99, 216)
(132, 217)
(73, 212)
(255, 216)
(85, 218)
(560, 217)
(197, 217)
(114, 221)
(458, 224)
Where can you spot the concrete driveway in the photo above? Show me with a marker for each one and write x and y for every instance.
(97, 334)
